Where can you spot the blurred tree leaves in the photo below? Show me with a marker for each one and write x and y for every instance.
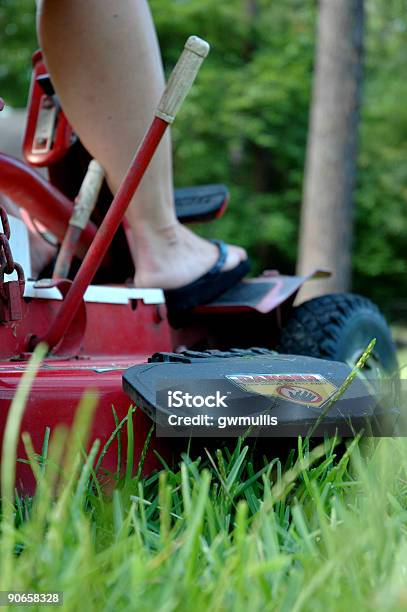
(17, 42)
(245, 122)
(380, 253)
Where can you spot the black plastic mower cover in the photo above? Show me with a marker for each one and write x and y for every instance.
(215, 394)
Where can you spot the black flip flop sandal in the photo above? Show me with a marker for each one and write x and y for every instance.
(208, 287)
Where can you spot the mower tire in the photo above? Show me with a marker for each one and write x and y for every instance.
(339, 327)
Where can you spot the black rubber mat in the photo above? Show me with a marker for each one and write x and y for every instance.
(245, 294)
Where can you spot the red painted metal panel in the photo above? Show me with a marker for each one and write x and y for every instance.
(53, 401)
(98, 329)
(43, 201)
(104, 340)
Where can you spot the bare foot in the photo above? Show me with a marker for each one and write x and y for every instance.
(175, 257)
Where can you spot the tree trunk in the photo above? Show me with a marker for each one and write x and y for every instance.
(330, 171)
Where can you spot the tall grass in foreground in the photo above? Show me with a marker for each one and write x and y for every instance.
(325, 530)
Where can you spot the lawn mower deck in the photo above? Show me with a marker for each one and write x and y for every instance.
(114, 336)
(116, 328)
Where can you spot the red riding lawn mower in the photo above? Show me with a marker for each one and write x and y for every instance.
(105, 334)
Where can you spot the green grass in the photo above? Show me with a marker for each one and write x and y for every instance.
(321, 528)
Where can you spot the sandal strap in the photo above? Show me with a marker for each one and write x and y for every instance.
(223, 253)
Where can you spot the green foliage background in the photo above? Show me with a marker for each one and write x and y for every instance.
(245, 123)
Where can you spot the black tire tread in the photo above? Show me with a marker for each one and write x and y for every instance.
(315, 326)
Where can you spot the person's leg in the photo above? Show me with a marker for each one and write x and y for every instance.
(105, 64)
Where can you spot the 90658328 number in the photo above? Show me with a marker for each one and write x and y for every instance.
(21, 598)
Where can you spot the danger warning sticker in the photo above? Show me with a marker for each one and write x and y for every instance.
(305, 389)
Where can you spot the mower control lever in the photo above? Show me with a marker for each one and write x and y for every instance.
(182, 78)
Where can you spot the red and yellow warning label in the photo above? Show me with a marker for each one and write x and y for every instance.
(305, 389)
